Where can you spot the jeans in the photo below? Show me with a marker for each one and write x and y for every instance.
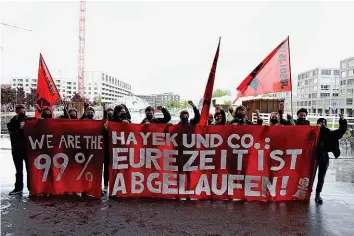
(322, 162)
(18, 158)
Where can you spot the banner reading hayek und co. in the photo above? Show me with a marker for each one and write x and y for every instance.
(65, 156)
(212, 162)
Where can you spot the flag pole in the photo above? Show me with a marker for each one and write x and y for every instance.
(291, 82)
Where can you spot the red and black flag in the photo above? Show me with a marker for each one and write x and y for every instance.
(47, 92)
(272, 75)
(209, 89)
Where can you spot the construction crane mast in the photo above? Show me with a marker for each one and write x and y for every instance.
(81, 64)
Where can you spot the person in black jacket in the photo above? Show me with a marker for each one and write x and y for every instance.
(328, 142)
(240, 117)
(46, 113)
(184, 116)
(301, 117)
(150, 118)
(219, 116)
(18, 147)
(86, 105)
(89, 113)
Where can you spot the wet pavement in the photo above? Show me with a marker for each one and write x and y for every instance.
(21, 215)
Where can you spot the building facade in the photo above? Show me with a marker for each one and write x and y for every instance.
(160, 99)
(96, 84)
(318, 91)
(346, 89)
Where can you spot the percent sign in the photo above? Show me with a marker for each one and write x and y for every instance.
(79, 158)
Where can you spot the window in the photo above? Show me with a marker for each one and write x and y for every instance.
(14, 80)
(301, 103)
(335, 94)
(299, 77)
(298, 103)
(350, 72)
(315, 81)
(344, 65)
(307, 75)
(323, 95)
(302, 76)
(343, 82)
(349, 101)
(315, 88)
(344, 74)
(336, 72)
(350, 91)
(306, 82)
(326, 72)
(351, 63)
(350, 82)
(314, 95)
(313, 103)
(325, 87)
(305, 103)
(309, 103)
(315, 72)
(34, 80)
(298, 83)
(14, 85)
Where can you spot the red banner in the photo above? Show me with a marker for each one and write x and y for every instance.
(65, 156)
(212, 162)
(208, 93)
(272, 75)
(47, 93)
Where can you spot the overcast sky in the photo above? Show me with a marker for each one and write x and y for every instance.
(169, 46)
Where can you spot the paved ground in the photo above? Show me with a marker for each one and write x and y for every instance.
(21, 215)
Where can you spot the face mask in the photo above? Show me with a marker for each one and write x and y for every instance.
(73, 117)
(21, 115)
(110, 116)
(210, 122)
(184, 120)
(89, 116)
(301, 120)
(47, 116)
(274, 121)
(240, 115)
(149, 116)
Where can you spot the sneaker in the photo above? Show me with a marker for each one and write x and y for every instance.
(16, 192)
(318, 199)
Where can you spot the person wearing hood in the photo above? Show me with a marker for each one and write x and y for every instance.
(89, 113)
(328, 142)
(184, 116)
(18, 147)
(219, 116)
(240, 117)
(151, 119)
(72, 114)
(274, 119)
(46, 113)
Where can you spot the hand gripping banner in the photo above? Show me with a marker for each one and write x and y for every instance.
(65, 156)
(212, 162)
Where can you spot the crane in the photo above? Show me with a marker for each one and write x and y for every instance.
(81, 63)
(13, 26)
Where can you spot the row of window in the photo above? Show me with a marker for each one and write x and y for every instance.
(347, 73)
(315, 72)
(112, 80)
(327, 102)
(347, 82)
(347, 64)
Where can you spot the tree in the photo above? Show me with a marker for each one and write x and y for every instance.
(229, 103)
(8, 96)
(173, 104)
(20, 96)
(77, 98)
(184, 104)
(98, 100)
(31, 98)
(221, 93)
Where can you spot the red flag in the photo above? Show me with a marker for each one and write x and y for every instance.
(47, 93)
(209, 89)
(272, 75)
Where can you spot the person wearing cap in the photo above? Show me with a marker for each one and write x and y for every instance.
(241, 119)
(18, 147)
(328, 142)
(151, 119)
(301, 117)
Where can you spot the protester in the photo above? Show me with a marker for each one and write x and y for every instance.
(89, 113)
(210, 119)
(282, 121)
(46, 113)
(301, 117)
(184, 116)
(328, 142)
(15, 127)
(72, 114)
(219, 116)
(274, 119)
(151, 119)
(229, 116)
(241, 119)
(86, 105)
